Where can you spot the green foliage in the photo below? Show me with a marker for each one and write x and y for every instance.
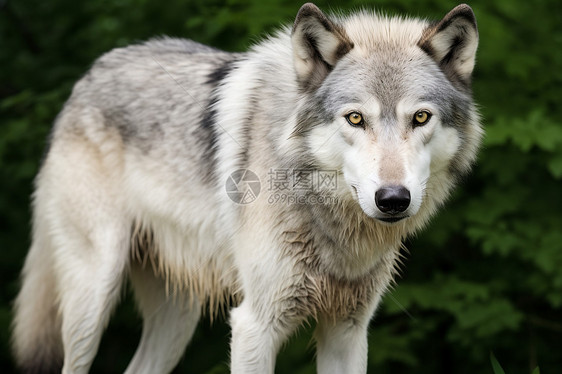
(484, 276)
(499, 370)
(496, 365)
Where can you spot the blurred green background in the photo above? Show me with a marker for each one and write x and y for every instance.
(485, 276)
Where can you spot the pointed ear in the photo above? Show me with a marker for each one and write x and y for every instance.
(452, 43)
(318, 44)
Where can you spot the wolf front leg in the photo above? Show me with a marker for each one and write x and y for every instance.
(257, 335)
(341, 345)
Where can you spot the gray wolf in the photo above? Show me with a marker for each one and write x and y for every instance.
(140, 178)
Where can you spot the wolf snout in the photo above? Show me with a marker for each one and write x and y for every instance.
(392, 199)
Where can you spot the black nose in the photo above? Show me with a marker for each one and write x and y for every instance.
(392, 199)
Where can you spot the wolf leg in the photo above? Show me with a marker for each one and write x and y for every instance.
(90, 287)
(341, 345)
(169, 323)
(257, 334)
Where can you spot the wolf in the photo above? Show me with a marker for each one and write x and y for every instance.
(156, 174)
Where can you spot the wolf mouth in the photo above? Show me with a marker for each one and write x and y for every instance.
(391, 219)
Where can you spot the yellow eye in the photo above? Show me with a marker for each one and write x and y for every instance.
(421, 117)
(354, 119)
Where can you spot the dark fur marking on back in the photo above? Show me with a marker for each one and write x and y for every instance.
(207, 132)
(216, 77)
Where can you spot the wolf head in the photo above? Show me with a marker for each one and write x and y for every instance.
(387, 102)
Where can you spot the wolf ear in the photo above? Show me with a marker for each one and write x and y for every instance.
(318, 44)
(452, 43)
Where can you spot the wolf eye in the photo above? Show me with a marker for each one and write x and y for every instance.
(354, 119)
(421, 117)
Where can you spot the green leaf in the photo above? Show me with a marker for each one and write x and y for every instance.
(496, 365)
(536, 371)
(555, 166)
